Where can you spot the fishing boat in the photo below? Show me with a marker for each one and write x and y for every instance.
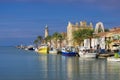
(43, 49)
(69, 51)
(113, 59)
(53, 51)
(86, 53)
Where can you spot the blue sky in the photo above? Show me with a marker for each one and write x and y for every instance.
(21, 21)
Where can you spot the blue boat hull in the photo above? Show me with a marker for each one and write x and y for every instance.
(69, 53)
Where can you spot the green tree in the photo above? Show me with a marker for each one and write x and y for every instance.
(77, 37)
(55, 38)
(82, 34)
(108, 42)
(38, 41)
(106, 30)
(60, 38)
(39, 38)
(48, 39)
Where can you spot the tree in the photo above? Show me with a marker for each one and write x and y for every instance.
(55, 37)
(38, 41)
(108, 42)
(77, 37)
(60, 38)
(39, 38)
(82, 34)
(48, 39)
(106, 30)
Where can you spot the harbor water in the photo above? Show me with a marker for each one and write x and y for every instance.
(18, 64)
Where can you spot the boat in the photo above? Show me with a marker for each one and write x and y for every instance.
(69, 51)
(30, 47)
(53, 51)
(113, 59)
(43, 49)
(86, 53)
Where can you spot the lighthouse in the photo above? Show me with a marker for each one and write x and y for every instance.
(46, 31)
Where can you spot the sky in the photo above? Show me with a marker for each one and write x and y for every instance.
(21, 21)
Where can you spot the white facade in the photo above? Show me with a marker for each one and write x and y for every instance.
(95, 42)
(87, 43)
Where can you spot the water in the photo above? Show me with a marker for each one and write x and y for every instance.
(17, 64)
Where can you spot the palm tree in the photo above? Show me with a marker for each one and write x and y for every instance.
(106, 30)
(60, 38)
(39, 38)
(77, 37)
(108, 42)
(82, 34)
(56, 37)
(36, 43)
(48, 39)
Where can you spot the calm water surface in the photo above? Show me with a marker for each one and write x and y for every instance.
(17, 64)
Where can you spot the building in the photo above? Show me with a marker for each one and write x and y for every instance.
(113, 36)
(73, 27)
(99, 29)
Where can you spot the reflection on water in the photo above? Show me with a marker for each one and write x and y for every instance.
(26, 65)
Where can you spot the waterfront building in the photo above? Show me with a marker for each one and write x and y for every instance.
(74, 27)
(99, 28)
(112, 36)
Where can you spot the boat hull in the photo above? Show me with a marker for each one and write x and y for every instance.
(43, 50)
(113, 59)
(87, 55)
(69, 53)
(53, 52)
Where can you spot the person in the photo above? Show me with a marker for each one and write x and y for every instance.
(98, 49)
(91, 49)
(84, 52)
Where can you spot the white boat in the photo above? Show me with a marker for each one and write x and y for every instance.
(84, 53)
(87, 54)
(113, 59)
(53, 51)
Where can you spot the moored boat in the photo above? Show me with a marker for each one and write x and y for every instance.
(85, 53)
(68, 51)
(113, 59)
(53, 51)
(30, 47)
(43, 49)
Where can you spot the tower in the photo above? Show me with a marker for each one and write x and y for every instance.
(74, 27)
(69, 34)
(46, 31)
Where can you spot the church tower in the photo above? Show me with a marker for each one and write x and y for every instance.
(46, 31)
